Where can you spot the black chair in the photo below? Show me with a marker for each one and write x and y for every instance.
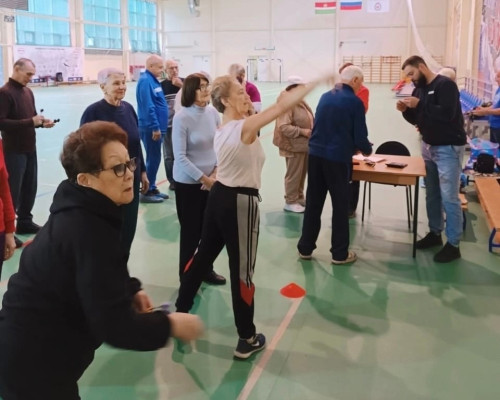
(392, 148)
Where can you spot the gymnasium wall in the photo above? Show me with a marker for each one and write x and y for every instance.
(235, 31)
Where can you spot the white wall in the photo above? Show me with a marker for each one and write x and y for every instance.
(232, 31)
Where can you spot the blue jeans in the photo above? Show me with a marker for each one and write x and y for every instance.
(495, 135)
(443, 165)
(153, 155)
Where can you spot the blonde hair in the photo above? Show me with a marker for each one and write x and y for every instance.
(221, 89)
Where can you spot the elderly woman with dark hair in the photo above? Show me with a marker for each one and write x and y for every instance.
(195, 165)
(73, 290)
(113, 108)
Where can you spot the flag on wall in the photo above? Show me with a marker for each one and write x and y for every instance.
(325, 7)
(377, 6)
(351, 5)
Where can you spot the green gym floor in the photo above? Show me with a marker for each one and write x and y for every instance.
(386, 327)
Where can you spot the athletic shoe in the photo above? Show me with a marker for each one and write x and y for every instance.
(447, 253)
(213, 278)
(150, 198)
(295, 208)
(351, 257)
(430, 240)
(305, 256)
(159, 194)
(246, 347)
(19, 242)
(27, 229)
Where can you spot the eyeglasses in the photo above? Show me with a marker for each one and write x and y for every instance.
(120, 169)
(204, 88)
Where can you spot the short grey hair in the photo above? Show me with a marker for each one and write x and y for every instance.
(449, 72)
(236, 70)
(351, 72)
(104, 74)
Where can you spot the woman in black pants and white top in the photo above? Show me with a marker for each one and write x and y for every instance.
(232, 214)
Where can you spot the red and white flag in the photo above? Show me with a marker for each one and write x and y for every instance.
(325, 7)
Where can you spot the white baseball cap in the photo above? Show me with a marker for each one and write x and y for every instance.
(296, 80)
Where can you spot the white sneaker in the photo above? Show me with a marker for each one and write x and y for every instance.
(295, 208)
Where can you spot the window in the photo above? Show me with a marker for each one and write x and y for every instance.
(106, 34)
(37, 29)
(142, 22)
(102, 36)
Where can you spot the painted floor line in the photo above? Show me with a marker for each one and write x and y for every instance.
(268, 352)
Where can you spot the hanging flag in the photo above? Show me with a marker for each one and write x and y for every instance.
(325, 7)
(377, 6)
(350, 5)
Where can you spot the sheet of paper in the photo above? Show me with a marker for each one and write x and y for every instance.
(373, 159)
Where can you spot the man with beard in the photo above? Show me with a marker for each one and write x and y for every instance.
(434, 108)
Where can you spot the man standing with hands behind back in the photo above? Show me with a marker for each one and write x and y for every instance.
(434, 108)
(171, 87)
(18, 120)
(152, 112)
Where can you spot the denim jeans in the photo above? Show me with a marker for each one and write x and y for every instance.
(153, 154)
(495, 135)
(443, 165)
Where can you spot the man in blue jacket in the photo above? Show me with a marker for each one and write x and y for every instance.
(339, 130)
(153, 117)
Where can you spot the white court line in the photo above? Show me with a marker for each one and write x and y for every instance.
(257, 371)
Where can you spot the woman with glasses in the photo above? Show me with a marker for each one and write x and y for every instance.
(195, 165)
(232, 215)
(73, 290)
(113, 108)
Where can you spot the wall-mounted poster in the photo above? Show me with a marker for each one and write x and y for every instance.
(50, 61)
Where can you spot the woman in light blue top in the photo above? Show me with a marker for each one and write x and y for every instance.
(195, 165)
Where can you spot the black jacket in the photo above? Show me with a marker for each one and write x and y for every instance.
(73, 290)
(438, 115)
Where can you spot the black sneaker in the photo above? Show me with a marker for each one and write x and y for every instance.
(246, 347)
(447, 253)
(27, 229)
(213, 278)
(19, 242)
(430, 240)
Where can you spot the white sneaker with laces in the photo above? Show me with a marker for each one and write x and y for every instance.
(295, 208)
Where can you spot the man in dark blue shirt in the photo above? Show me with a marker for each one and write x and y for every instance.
(339, 129)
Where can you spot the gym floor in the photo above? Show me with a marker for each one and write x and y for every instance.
(386, 327)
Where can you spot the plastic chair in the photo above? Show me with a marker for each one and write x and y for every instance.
(395, 149)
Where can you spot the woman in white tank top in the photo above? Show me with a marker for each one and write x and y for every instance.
(232, 214)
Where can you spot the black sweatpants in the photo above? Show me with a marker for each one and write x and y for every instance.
(191, 203)
(232, 220)
(324, 177)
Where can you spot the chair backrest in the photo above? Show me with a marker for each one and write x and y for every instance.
(393, 148)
